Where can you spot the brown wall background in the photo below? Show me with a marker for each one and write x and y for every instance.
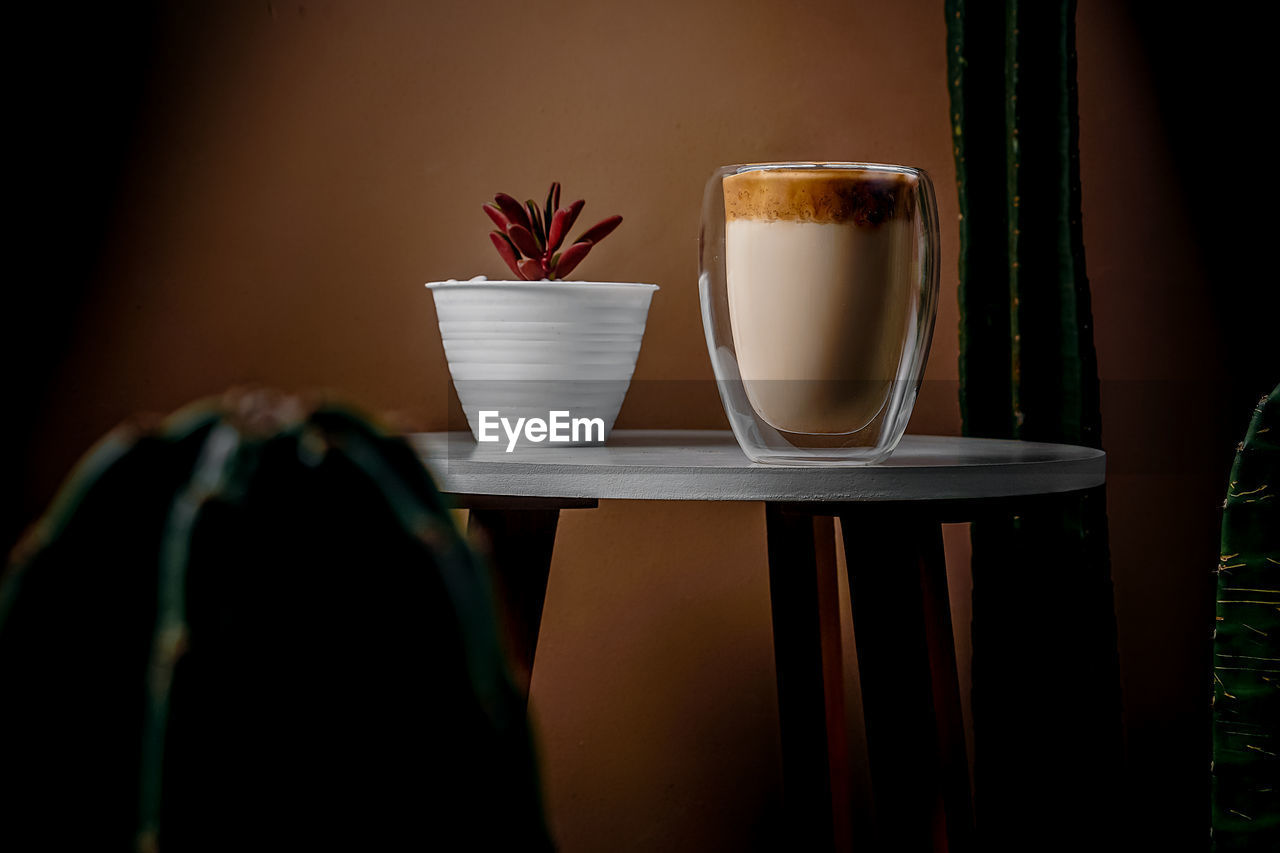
(254, 192)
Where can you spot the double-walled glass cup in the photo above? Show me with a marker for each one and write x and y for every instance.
(819, 289)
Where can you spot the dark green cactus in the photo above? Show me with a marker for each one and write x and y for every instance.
(1028, 367)
(1246, 645)
(1028, 371)
(255, 626)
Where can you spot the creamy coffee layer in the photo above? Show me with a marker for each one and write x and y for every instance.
(863, 197)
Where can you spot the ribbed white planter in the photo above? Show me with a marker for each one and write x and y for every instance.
(529, 348)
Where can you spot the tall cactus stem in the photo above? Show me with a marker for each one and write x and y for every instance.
(1028, 371)
(1245, 768)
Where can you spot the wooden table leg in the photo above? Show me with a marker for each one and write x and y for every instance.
(806, 646)
(519, 543)
(910, 691)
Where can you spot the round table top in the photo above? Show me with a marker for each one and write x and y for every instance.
(708, 465)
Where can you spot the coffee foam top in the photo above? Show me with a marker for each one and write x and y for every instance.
(860, 196)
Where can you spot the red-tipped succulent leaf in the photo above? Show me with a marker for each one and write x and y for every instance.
(531, 270)
(571, 257)
(600, 230)
(524, 241)
(507, 250)
(557, 230)
(512, 209)
(499, 219)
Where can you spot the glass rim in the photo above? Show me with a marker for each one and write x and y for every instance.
(813, 165)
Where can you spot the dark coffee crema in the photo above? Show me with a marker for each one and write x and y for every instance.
(859, 196)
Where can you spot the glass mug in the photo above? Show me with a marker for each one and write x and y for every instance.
(819, 290)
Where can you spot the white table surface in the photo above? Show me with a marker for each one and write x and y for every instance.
(708, 465)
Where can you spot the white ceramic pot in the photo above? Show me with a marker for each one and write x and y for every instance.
(527, 349)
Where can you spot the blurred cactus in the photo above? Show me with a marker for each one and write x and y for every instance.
(1028, 371)
(255, 626)
(1246, 646)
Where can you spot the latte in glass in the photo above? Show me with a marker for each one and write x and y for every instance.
(821, 268)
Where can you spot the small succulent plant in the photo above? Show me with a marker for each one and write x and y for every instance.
(529, 237)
